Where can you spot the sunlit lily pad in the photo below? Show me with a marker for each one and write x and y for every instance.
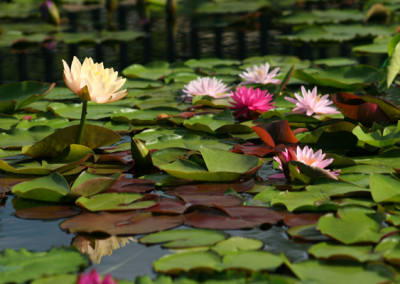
(48, 188)
(21, 266)
(184, 238)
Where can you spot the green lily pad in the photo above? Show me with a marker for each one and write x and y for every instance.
(219, 165)
(361, 253)
(353, 225)
(152, 71)
(184, 238)
(237, 244)
(87, 184)
(48, 188)
(15, 96)
(114, 202)
(53, 145)
(187, 261)
(344, 77)
(22, 266)
(252, 260)
(384, 188)
(73, 111)
(332, 272)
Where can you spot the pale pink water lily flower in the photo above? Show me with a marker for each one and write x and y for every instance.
(207, 86)
(92, 82)
(260, 75)
(310, 102)
(94, 278)
(249, 102)
(308, 157)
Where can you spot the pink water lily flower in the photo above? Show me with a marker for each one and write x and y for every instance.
(206, 86)
(94, 278)
(310, 102)
(308, 157)
(260, 75)
(249, 103)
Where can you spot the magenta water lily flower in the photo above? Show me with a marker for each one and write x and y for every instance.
(94, 278)
(310, 102)
(308, 157)
(260, 75)
(249, 102)
(207, 86)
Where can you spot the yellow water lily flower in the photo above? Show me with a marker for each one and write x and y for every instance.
(92, 82)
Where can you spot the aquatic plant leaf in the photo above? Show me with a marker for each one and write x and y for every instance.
(124, 223)
(394, 65)
(211, 200)
(124, 184)
(239, 217)
(184, 238)
(114, 202)
(21, 137)
(22, 266)
(153, 71)
(59, 279)
(212, 123)
(292, 220)
(343, 271)
(343, 77)
(300, 201)
(87, 184)
(48, 188)
(187, 261)
(307, 233)
(94, 111)
(149, 116)
(252, 260)
(353, 225)
(53, 145)
(47, 212)
(384, 188)
(361, 253)
(358, 109)
(219, 165)
(168, 206)
(15, 96)
(236, 244)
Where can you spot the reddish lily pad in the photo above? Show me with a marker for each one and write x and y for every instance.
(293, 220)
(126, 223)
(48, 212)
(168, 206)
(132, 185)
(211, 200)
(238, 217)
(358, 109)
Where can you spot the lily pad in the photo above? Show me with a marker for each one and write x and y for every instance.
(53, 145)
(22, 266)
(48, 188)
(184, 238)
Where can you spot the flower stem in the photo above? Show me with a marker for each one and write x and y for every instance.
(82, 124)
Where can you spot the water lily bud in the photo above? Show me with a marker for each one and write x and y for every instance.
(141, 156)
(50, 12)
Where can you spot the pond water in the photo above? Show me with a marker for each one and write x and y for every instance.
(155, 113)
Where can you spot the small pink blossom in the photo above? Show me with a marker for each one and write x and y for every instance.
(207, 86)
(248, 102)
(94, 278)
(310, 102)
(308, 157)
(260, 75)
(27, 117)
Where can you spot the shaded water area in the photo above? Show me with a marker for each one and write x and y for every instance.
(229, 36)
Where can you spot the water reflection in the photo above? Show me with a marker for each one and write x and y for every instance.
(96, 248)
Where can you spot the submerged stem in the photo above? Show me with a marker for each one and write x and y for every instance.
(82, 123)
